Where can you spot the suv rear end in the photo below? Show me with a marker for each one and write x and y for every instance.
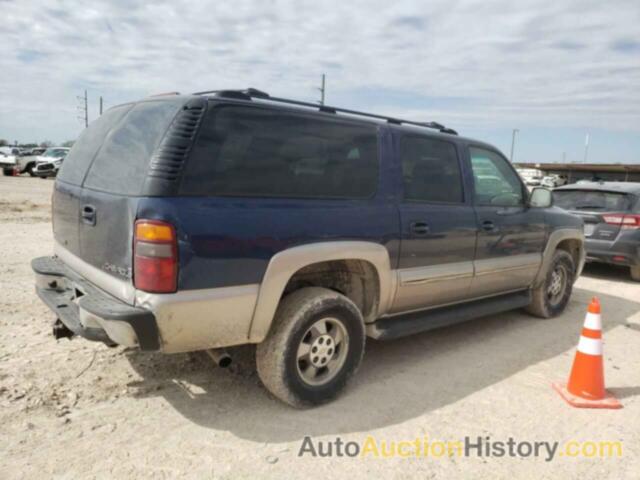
(611, 215)
(104, 252)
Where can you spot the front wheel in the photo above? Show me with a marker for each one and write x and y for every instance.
(551, 297)
(315, 345)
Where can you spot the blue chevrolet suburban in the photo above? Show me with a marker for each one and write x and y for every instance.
(205, 221)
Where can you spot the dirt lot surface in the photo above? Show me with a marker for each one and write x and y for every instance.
(75, 409)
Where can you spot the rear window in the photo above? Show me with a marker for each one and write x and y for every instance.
(244, 151)
(430, 170)
(592, 200)
(86, 146)
(122, 162)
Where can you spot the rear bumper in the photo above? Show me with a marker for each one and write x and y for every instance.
(88, 311)
(625, 250)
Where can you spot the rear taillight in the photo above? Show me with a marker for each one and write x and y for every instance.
(155, 257)
(625, 222)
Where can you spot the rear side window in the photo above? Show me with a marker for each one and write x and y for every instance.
(430, 170)
(592, 200)
(244, 151)
(122, 163)
(86, 146)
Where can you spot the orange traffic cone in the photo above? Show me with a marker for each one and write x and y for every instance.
(586, 381)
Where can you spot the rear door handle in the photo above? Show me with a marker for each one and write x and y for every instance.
(420, 228)
(489, 226)
(88, 214)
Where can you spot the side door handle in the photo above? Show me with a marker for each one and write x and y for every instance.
(420, 228)
(88, 214)
(489, 226)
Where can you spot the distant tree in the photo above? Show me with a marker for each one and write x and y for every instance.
(68, 143)
(46, 144)
(3, 142)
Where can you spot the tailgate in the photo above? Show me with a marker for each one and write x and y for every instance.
(99, 187)
(598, 209)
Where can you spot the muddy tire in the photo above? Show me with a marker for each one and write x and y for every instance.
(315, 345)
(635, 273)
(551, 297)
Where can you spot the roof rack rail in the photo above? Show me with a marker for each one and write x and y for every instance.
(251, 93)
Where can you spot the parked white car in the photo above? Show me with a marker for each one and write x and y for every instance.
(532, 177)
(8, 159)
(48, 164)
(553, 181)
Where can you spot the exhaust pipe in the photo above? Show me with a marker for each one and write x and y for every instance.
(220, 357)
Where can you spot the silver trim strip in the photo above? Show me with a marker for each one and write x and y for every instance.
(491, 266)
(121, 289)
(435, 273)
(448, 304)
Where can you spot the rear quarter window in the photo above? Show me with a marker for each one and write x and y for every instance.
(122, 162)
(79, 158)
(259, 152)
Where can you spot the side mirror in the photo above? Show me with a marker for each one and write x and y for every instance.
(541, 198)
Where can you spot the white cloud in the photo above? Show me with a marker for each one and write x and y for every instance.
(571, 63)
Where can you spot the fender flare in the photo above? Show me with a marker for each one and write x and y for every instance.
(554, 240)
(285, 264)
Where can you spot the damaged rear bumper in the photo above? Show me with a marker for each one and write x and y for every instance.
(89, 312)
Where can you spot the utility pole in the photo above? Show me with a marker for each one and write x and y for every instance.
(564, 157)
(513, 142)
(322, 90)
(83, 109)
(100, 104)
(586, 148)
(86, 110)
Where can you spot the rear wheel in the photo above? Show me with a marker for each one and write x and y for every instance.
(315, 345)
(635, 273)
(7, 172)
(552, 296)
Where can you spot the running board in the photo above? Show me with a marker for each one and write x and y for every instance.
(389, 328)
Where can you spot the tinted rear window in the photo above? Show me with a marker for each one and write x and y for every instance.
(430, 170)
(86, 146)
(592, 200)
(244, 151)
(122, 163)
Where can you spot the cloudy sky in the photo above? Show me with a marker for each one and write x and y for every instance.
(555, 70)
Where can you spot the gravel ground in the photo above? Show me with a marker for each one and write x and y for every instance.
(75, 409)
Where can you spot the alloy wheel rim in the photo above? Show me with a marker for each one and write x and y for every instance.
(557, 285)
(322, 351)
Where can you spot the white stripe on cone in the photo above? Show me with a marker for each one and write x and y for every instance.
(590, 346)
(593, 321)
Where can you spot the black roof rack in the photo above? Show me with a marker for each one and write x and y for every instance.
(251, 93)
